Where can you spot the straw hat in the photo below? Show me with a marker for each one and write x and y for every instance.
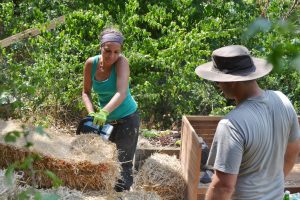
(233, 63)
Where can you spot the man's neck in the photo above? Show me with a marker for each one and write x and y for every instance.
(246, 90)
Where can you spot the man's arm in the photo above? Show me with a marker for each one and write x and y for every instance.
(291, 155)
(221, 187)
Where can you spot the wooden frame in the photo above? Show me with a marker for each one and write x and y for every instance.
(190, 157)
(194, 130)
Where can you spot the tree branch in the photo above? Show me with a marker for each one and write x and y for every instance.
(291, 9)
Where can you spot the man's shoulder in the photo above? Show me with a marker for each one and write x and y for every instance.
(240, 116)
(280, 99)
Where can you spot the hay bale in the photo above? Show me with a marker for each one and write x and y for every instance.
(162, 174)
(84, 162)
(64, 193)
(8, 192)
(139, 195)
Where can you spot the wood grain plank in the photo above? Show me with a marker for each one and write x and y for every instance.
(190, 156)
(31, 32)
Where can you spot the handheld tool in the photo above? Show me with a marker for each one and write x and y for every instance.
(86, 126)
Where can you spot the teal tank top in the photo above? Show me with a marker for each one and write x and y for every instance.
(107, 89)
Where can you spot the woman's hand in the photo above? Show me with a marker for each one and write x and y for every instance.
(99, 117)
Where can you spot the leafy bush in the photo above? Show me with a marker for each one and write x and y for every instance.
(165, 41)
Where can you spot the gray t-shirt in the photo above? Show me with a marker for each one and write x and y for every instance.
(251, 141)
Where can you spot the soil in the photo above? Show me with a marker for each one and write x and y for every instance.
(168, 140)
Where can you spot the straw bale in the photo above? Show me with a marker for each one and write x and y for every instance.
(140, 195)
(162, 174)
(64, 193)
(83, 162)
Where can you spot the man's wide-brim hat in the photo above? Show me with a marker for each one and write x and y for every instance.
(233, 63)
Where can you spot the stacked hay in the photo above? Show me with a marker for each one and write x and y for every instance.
(162, 174)
(12, 191)
(64, 193)
(129, 195)
(84, 162)
(139, 195)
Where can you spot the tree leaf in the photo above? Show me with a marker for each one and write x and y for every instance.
(28, 144)
(12, 136)
(38, 196)
(26, 163)
(24, 195)
(51, 196)
(56, 181)
(296, 63)
(9, 174)
(259, 25)
(40, 130)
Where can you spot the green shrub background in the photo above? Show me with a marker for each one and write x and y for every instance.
(165, 42)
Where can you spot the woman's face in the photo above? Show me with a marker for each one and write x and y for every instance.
(110, 52)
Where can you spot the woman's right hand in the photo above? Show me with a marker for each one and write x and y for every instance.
(99, 117)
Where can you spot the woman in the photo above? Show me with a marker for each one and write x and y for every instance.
(108, 75)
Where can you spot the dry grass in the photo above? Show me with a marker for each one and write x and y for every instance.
(84, 162)
(161, 173)
(64, 193)
(89, 168)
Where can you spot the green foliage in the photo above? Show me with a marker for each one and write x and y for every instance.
(154, 133)
(222, 111)
(12, 136)
(278, 40)
(165, 41)
(9, 173)
(149, 133)
(56, 181)
(178, 143)
(283, 38)
(30, 193)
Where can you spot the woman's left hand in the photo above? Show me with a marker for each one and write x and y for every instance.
(99, 117)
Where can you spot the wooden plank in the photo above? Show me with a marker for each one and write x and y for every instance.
(192, 118)
(190, 156)
(184, 132)
(207, 136)
(205, 125)
(207, 119)
(31, 32)
(205, 131)
(194, 165)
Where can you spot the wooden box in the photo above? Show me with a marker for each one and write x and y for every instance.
(194, 130)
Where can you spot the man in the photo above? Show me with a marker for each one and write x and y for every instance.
(256, 144)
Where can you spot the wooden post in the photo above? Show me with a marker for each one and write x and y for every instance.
(31, 32)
